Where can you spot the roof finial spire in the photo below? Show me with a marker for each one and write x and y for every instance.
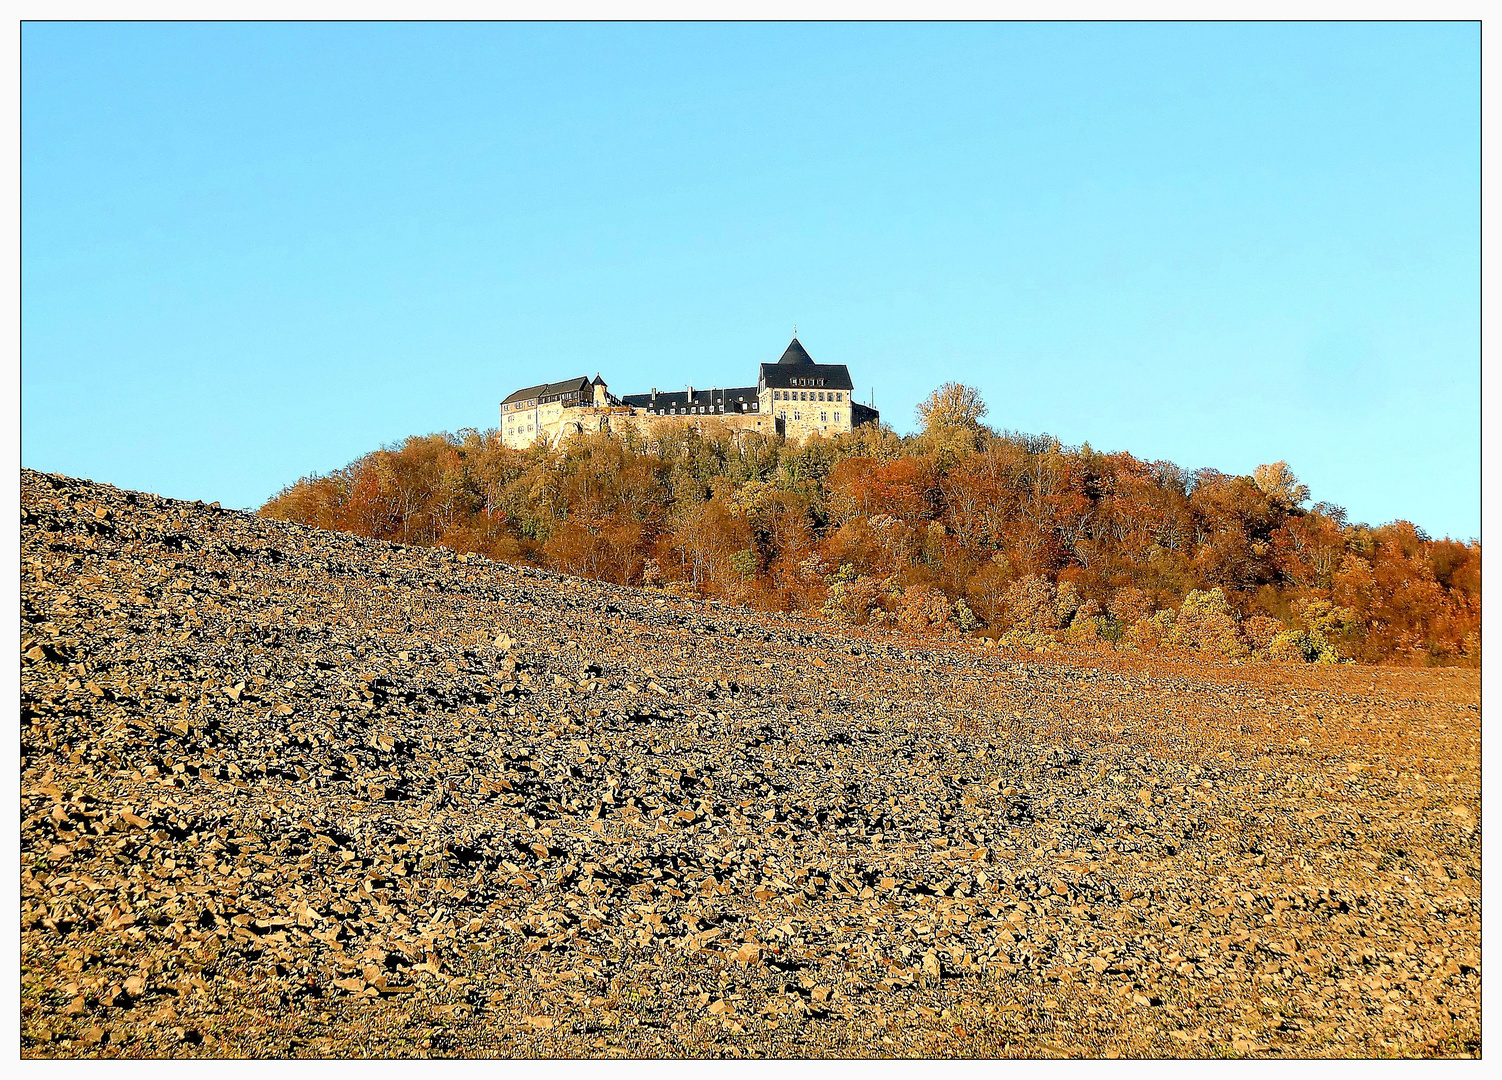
(795, 329)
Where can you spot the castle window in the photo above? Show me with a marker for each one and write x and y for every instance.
(836, 417)
(823, 418)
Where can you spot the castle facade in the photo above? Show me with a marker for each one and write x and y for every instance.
(794, 397)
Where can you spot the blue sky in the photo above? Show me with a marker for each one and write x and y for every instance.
(255, 251)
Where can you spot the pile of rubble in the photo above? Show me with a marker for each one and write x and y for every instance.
(287, 792)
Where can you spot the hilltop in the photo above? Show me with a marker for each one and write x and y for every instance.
(295, 792)
(960, 530)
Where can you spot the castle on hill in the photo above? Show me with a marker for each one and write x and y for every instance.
(794, 397)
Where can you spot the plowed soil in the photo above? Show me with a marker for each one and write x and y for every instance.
(293, 793)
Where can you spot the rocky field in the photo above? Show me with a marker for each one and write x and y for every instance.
(297, 793)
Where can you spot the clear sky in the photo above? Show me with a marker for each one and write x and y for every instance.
(255, 251)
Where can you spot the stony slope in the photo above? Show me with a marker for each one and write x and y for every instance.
(296, 793)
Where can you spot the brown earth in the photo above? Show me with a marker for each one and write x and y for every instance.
(296, 793)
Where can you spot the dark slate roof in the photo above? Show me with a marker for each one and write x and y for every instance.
(863, 414)
(797, 369)
(542, 390)
(796, 354)
(806, 376)
(730, 397)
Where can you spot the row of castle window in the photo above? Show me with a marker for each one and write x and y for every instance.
(699, 409)
(805, 395)
(798, 415)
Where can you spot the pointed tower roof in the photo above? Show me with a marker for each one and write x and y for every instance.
(796, 354)
(797, 368)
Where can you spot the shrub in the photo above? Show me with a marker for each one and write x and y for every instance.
(1066, 602)
(1032, 605)
(743, 562)
(1325, 621)
(1259, 631)
(852, 599)
(964, 618)
(1299, 646)
(1205, 622)
(1150, 633)
(1314, 641)
(1083, 631)
(1130, 605)
(1030, 639)
(923, 608)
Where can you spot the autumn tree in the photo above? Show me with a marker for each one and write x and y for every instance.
(951, 405)
(1278, 483)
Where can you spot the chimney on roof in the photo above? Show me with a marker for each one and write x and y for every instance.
(691, 394)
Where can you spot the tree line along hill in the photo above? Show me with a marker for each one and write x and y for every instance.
(958, 529)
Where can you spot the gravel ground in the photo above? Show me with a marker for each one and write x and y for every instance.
(294, 793)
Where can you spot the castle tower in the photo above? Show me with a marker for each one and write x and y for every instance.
(805, 397)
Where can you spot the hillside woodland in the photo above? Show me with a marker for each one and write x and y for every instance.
(959, 529)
